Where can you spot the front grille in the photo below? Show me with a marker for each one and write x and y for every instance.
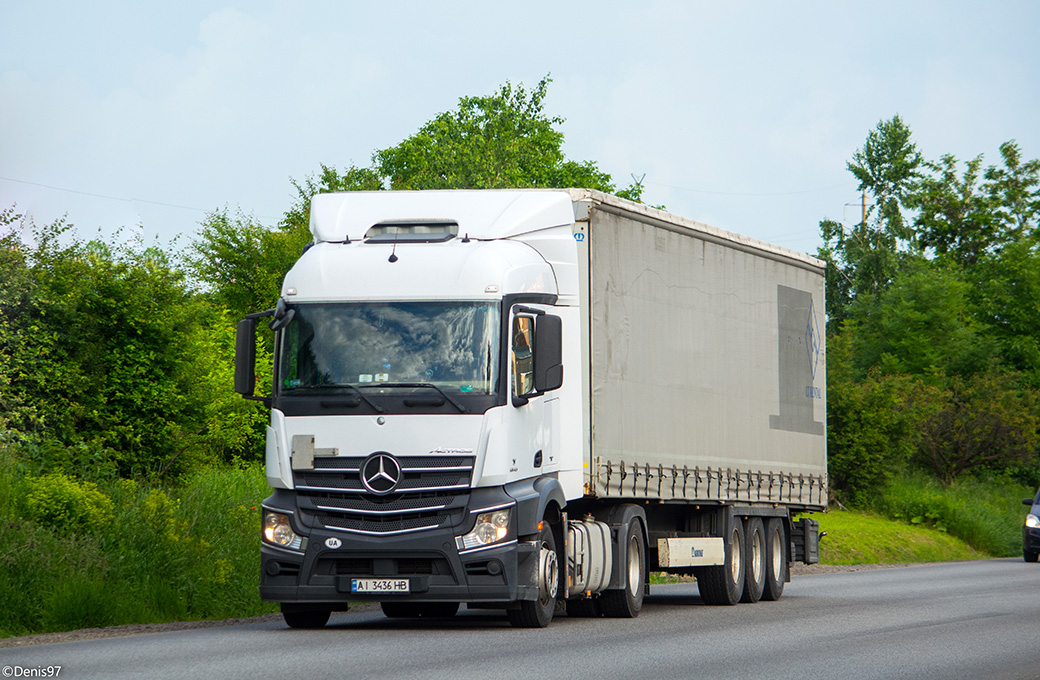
(432, 493)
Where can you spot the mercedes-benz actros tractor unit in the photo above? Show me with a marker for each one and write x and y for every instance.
(531, 400)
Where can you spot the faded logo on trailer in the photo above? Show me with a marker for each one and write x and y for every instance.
(799, 349)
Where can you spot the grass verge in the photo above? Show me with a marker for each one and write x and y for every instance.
(864, 538)
(76, 554)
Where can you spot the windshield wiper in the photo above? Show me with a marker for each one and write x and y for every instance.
(376, 407)
(431, 386)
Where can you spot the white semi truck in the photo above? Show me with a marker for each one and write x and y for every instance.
(530, 400)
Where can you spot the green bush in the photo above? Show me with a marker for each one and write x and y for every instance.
(986, 515)
(63, 503)
(77, 554)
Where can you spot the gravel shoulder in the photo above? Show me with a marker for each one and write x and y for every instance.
(797, 569)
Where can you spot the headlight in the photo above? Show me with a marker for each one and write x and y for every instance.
(491, 527)
(1032, 521)
(278, 531)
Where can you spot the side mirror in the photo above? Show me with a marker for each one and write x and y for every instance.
(245, 357)
(282, 315)
(1027, 501)
(548, 353)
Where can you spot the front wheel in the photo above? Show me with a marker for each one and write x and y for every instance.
(538, 613)
(304, 617)
(1030, 556)
(626, 603)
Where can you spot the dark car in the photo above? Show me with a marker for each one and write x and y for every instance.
(1031, 529)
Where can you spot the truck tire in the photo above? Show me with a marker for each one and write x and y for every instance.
(626, 603)
(304, 617)
(776, 559)
(538, 613)
(723, 584)
(413, 610)
(755, 567)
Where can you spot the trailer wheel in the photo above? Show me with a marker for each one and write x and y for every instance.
(303, 617)
(723, 584)
(626, 603)
(413, 610)
(776, 559)
(538, 613)
(755, 569)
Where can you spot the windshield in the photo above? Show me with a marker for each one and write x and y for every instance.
(451, 345)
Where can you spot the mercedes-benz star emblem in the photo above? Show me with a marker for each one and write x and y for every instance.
(381, 473)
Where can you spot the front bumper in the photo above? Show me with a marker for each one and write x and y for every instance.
(329, 559)
(429, 560)
(1031, 539)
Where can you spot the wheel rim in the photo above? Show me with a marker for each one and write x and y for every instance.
(635, 567)
(549, 583)
(757, 555)
(734, 556)
(777, 555)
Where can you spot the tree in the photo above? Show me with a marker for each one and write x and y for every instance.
(242, 262)
(1015, 191)
(96, 338)
(922, 325)
(955, 218)
(986, 420)
(503, 140)
(1005, 290)
(866, 260)
(873, 422)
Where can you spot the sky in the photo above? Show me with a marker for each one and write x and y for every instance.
(135, 119)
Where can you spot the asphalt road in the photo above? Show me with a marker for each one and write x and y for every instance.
(962, 620)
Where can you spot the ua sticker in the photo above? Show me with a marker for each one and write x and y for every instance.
(333, 543)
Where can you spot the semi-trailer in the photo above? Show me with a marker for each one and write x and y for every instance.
(530, 400)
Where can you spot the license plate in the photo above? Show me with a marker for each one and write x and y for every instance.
(380, 585)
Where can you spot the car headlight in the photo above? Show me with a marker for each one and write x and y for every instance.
(491, 527)
(278, 531)
(1032, 521)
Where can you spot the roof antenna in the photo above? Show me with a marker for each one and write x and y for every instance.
(393, 252)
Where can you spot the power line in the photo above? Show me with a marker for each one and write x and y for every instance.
(749, 194)
(118, 198)
(111, 198)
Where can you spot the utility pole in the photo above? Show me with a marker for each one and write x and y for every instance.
(863, 196)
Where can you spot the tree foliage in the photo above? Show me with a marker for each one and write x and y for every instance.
(986, 420)
(100, 354)
(937, 290)
(864, 260)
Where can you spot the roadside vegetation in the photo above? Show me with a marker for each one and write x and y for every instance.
(130, 472)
